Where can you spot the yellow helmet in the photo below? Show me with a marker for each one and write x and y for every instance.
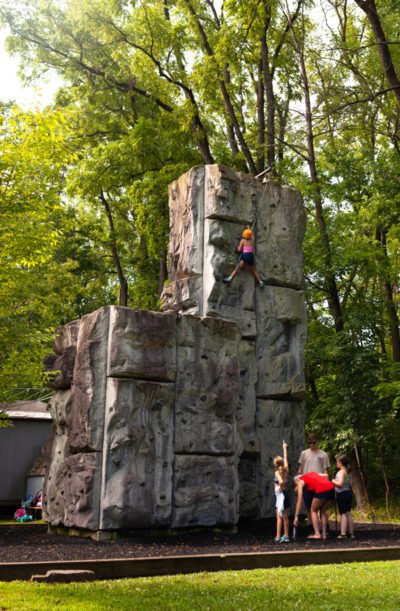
(248, 234)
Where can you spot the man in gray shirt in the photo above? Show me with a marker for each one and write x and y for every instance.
(312, 459)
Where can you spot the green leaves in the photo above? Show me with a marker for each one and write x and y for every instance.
(34, 156)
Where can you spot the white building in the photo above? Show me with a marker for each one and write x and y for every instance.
(22, 451)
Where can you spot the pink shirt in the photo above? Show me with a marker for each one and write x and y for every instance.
(247, 249)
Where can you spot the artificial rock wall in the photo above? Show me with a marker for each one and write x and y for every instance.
(171, 419)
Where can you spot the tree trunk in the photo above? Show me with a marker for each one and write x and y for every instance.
(389, 303)
(358, 487)
(358, 482)
(283, 114)
(201, 138)
(123, 283)
(332, 293)
(310, 379)
(196, 124)
(230, 110)
(393, 321)
(369, 8)
(270, 97)
(385, 479)
(162, 275)
(231, 131)
(260, 121)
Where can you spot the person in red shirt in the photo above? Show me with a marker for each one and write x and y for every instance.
(324, 493)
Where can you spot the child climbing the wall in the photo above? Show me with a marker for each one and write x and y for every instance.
(282, 503)
(246, 250)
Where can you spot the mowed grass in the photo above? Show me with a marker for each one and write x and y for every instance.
(374, 585)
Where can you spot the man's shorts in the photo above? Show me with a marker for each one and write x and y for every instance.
(307, 498)
(329, 495)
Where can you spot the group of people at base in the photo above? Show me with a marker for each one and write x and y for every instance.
(315, 490)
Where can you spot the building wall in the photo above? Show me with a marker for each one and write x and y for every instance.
(19, 446)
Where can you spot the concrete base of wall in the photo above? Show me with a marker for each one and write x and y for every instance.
(113, 535)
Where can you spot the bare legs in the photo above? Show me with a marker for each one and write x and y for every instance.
(284, 520)
(240, 266)
(319, 506)
(253, 272)
(346, 524)
(286, 523)
(279, 522)
(236, 270)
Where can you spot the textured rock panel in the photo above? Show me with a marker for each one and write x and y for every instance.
(277, 421)
(206, 491)
(53, 499)
(186, 197)
(72, 485)
(206, 386)
(138, 455)
(246, 412)
(279, 232)
(224, 205)
(142, 345)
(280, 344)
(184, 294)
(86, 417)
(230, 195)
(235, 301)
(250, 494)
(63, 360)
(80, 486)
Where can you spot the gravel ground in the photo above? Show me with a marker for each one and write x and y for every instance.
(30, 542)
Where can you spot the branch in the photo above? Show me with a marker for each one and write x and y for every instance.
(225, 94)
(214, 12)
(121, 85)
(370, 98)
(293, 148)
(286, 30)
(196, 124)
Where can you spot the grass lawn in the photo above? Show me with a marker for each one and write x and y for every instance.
(373, 585)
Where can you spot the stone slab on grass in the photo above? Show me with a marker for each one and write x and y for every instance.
(65, 576)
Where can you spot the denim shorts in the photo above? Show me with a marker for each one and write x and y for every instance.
(247, 257)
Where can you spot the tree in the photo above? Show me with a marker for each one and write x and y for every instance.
(34, 286)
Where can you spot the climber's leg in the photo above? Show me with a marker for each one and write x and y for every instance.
(238, 267)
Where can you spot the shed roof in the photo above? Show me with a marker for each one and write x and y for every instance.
(26, 410)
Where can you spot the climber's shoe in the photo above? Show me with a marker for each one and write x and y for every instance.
(227, 280)
(261, 284)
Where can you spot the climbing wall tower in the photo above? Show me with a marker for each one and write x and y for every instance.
(171, 419)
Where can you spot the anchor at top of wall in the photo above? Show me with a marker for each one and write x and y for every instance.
(263, 175)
